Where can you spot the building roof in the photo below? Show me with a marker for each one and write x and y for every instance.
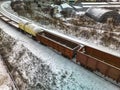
(100, 14)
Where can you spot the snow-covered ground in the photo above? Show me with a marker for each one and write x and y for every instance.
(43, 68)
(60, 73)
(5, 80)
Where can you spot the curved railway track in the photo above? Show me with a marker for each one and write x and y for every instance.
(85, 52)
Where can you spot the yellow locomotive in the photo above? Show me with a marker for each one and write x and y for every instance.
(30, 28)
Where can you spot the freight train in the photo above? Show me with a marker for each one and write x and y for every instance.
(91, 58)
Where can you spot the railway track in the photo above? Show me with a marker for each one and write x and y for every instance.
(85, 55)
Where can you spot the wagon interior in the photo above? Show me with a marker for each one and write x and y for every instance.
(60, 40)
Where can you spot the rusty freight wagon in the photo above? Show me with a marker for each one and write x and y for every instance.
(66, 47)
(100, 61)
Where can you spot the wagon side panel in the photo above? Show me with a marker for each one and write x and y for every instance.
(114, 73)
(69, 53)
(102, 67)
(81, 58)
(91, 63)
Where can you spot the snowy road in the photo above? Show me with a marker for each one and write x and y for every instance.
(83, 79)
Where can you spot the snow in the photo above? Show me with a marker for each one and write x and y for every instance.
(77, 78)
(65, 5)
(81, 79)
(5, 80)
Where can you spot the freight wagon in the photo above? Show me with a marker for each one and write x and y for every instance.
(66, 47)
(100, 61)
